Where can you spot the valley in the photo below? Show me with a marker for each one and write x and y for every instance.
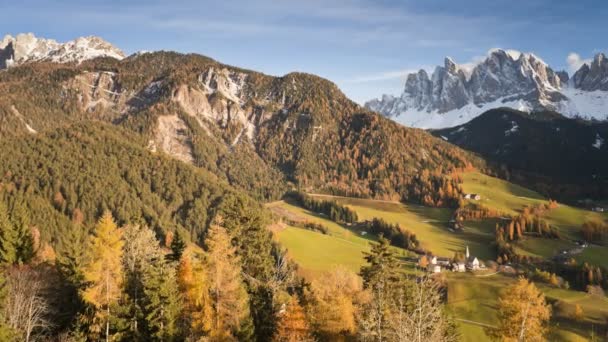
(471, 296)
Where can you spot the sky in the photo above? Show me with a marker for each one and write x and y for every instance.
(367, 47)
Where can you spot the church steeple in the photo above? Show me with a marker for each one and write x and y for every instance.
(467, 254)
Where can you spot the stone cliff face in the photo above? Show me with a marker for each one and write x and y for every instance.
(592, 77)
(454, 94)
(27, 48)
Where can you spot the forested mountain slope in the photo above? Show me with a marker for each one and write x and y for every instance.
(559, 156)
(259, 133)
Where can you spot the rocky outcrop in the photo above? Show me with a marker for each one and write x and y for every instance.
(27, 48)
(594, 76)
(455, 94)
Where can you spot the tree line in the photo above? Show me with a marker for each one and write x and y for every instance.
(398, 236)
(336, 212)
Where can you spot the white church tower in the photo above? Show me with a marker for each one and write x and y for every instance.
(467, 254)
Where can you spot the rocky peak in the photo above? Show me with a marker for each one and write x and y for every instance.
(592, 77)
(26, 47)
(504, 78)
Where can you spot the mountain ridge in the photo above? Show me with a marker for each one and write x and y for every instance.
(454, 94)
(26, 47)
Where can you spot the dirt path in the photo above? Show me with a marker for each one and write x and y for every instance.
(475, 323)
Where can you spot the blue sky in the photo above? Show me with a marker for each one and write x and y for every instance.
(365, 46)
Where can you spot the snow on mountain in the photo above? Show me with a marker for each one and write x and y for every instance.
(455, 94)
(599, 141)
(26, 47)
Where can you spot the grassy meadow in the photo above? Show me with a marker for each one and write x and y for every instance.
(472, 298)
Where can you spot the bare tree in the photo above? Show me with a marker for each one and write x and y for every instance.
(282, 275)
(26, 308)
(419, 315)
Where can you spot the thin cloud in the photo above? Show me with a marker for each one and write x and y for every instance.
(575, 62)
(383, 76)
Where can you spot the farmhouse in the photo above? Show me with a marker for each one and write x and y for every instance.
(458, 266)
(475, 197)
(434, 268)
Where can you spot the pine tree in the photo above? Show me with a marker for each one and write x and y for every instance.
(227, 291)
(162, 299)
(177, 247)
(21, 223)
(8, 237)
(152, 301)
(103, 273)
(5, 330)
(140, 246)
(383, 266)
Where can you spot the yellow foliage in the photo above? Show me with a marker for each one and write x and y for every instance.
(194, 286)
(523, 313)
(103, 270)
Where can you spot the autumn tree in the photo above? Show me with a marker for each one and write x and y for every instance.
(578, 314)
(292, 325)
(194, 286)
(523, 313)
(334, 304)
(226, 288)
(103, 272)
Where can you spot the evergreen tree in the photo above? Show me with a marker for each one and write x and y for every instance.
(5, 330)
(383, 266)
(103, 273)
(8, 237)
(140, 247)
(162, 299)
(177, 247)
(21, 223)
(152, 301)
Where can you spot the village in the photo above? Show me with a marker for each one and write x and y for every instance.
(460, 263)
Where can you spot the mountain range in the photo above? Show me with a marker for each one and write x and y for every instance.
(263, 134)
(26, 47)
(454, 94)
(259, 133)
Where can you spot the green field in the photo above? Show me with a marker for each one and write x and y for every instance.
(475, 299)
(472, 298)
(315, 252)
(429, 224)
(594, 255)
(511, 199)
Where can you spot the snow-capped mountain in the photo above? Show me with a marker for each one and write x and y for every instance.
(454, 94)
(26, 47)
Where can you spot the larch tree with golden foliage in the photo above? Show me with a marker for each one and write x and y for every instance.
(194, 286)
(293, 326)
(523, 313)
(103, 272)
(334, 304)
(230, 302)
